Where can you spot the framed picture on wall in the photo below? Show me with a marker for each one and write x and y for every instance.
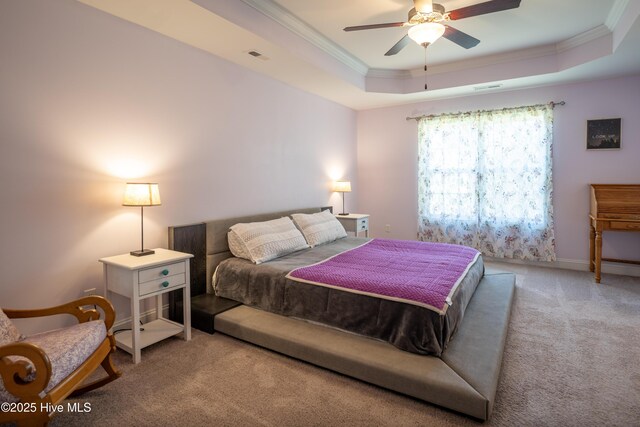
(603, 134)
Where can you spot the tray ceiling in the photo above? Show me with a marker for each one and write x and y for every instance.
(302, 43)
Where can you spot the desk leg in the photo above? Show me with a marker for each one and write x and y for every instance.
(598, 254)
(592, 248)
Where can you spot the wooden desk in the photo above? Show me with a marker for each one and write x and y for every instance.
(614, 207)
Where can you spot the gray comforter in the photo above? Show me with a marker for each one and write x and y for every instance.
(408, 327)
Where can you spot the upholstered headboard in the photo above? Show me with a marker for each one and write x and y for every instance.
(207, 241)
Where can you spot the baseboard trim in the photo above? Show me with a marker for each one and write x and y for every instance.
(576, 264)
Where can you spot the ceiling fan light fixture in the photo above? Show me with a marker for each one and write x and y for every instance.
(426, 33)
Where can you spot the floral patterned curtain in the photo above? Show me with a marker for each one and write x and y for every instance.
(484, 180)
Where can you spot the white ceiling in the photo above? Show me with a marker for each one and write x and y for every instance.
(540, 43)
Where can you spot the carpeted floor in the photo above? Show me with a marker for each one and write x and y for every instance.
(572, 358)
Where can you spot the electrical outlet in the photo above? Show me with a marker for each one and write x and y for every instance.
(89, 292)
(387, 228)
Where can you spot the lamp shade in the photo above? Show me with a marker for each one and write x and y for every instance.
(427, 32)
(141, 194)
(342, 186)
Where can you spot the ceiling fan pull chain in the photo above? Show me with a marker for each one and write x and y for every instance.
(425, 67)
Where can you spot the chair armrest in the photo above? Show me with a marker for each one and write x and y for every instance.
(74, 308)
(25, 379)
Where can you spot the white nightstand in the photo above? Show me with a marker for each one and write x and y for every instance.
(138, 278)
(355, 223)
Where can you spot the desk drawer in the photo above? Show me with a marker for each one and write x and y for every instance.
(615, 225)
(161, 284)
(363, 224)
(160, 272)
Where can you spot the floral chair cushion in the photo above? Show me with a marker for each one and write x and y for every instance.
(8, 331)
(67, 349)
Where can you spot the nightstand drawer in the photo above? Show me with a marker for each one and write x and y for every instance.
(160, 272)
(161, 284)
(363, 224)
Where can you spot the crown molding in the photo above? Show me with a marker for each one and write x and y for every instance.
(302, 29)
(616, 13)
(583, 38)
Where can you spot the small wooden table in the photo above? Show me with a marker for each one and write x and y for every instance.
(614, 207)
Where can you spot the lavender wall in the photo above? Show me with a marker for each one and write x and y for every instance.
(89, 101)
(387, 153)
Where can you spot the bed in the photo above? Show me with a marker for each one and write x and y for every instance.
(267, 286)
(460, 371)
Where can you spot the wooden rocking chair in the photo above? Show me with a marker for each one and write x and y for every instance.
(40, 371)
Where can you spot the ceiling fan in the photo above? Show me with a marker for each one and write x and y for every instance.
(427, 20)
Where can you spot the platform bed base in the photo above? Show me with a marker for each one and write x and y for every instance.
(464, 379)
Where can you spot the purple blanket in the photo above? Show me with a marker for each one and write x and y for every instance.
(420, 273)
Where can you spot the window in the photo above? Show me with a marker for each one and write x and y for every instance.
(484, 180)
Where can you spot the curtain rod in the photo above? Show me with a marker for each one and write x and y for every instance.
(552, 103)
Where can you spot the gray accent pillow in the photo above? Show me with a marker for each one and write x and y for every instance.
(262, 241)
(319, 228)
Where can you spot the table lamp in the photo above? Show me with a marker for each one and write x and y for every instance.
(342, 187)
(141, 194)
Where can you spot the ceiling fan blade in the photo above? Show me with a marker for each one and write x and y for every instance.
(483, 8)
(374, 26)
(460, 38)
(398, 46)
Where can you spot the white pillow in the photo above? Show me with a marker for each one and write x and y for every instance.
(263, 241)
(319, 228)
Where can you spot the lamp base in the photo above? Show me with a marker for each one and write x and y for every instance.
(142, 252)
(343, 213)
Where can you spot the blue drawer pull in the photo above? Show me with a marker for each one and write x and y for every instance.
(165, 272)
(164, 284)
